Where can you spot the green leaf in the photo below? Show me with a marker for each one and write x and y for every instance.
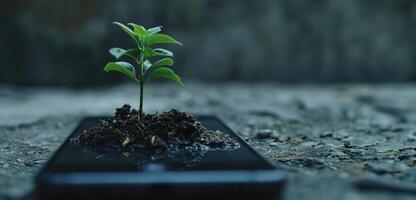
(163, 52)
(119, 52)
(162, 39)
(146, 65)
(148, 52)
(127, 30)
(159, 63)
(165, 72)
(154, 30)
(139, 30)
(122, 67)
(163, 62)
(132, 53)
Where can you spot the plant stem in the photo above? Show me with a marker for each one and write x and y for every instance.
(140, 114)
(141, 101)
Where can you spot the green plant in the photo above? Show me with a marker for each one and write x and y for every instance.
(141, 54)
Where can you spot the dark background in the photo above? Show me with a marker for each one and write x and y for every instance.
(52, 42)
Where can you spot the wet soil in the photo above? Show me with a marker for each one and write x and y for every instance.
(172, 130)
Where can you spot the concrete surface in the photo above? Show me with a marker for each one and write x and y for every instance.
(323, 137)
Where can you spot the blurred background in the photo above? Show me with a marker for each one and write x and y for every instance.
(65, 43)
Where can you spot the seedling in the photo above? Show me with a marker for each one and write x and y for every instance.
(141, 54)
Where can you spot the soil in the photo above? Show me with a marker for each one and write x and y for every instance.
(172, 130)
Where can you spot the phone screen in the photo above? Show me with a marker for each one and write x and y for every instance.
(74, 158)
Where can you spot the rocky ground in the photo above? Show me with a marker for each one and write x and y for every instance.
(327, 139)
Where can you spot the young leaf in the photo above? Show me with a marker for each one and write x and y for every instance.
(146, 65)
(161, 39)
(119, 52)
(154, 30)
(132, 53)
(148, 53)
(127, 30)
(122, 67)
(165, 72)
(163, 62)
(139, 30)
(159, 63)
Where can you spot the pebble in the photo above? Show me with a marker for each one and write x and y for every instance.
(285, 139)
(264, 134)
(39, 161)
(340, 135)
(30, 152)
(326, 134)
(396, 128)
(311, 144)
(411, 137)
(273, 144)
(29, 164)
(347, 144)
(275, 135)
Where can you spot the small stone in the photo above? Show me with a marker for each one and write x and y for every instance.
(29, 164)
(396, 129)
(411, 137)
(273, 144)
(340, 135)
(297, 140)
(264, 134)
(347, 144)
(326, 134)
(310, 144)
(39, 161)
(275, 135)
(285, 139)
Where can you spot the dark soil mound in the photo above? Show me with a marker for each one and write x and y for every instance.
(168, 130)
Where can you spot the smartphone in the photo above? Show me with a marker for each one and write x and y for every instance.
(75, 173)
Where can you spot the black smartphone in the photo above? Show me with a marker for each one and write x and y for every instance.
(74, 172)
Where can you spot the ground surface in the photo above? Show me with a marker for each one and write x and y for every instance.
(324, 137)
